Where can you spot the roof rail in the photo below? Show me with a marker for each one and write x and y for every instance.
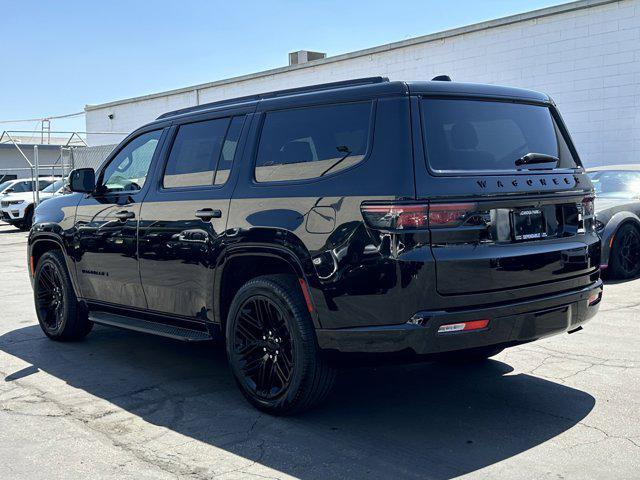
(277, 93)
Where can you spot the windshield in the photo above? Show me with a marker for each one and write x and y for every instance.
(468, 135)
(3, 186)
(616, 184)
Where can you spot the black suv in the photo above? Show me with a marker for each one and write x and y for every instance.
(429, 220)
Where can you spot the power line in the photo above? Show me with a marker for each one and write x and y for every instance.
(28, 120)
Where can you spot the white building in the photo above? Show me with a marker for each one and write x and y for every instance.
(585, 54)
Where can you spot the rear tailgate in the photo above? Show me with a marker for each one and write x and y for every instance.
(504, 227)
(505, 249)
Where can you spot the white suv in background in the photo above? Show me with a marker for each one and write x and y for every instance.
(21, 185)
(16, 208)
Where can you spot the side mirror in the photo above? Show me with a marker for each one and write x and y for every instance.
(82, 180)
(8, 190)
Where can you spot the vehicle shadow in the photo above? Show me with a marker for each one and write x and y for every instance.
(617, 281)
(10, 230)
(413, 421)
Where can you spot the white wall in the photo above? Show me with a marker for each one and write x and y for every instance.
(588, 60)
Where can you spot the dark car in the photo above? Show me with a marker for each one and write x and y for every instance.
(419, 220)
(617, 209)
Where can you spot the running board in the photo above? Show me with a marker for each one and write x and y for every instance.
(161, 329)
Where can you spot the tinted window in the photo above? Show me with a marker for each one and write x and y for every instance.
(484, 135)
(194, 154)
(229, 148)
(128, 170)
(310, 142)
(22, 187)
(42, 184)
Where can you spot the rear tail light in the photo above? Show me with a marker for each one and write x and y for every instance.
(463, 326)
(449, 214)
(415, 216)
(395, 217)
(588, 207)
(587, 212)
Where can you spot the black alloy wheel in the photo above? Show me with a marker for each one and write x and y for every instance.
(625, 253)
(50, 297)
(59, 313)
(272, 347)
(263, 347)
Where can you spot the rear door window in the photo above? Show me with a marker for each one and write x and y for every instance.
(229, 149)
(310, 142)
(202, 153)
(194, 154)
(471, 135)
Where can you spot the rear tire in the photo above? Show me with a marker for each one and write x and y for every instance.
(272, 349)
(624, 256)
(60, 315)
(473, 355)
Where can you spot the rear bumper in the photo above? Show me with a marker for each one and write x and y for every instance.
(509, 324)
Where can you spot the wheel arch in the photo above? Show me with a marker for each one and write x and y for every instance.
(39, 244)
(611, 229)
(241, 264)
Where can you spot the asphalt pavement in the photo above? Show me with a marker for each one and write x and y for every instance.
(122, 405)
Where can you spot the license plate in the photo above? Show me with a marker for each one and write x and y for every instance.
(528, 224)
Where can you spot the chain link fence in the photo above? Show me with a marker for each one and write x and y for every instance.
(90, 157)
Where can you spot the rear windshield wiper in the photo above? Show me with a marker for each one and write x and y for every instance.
(536, 158)
(342, 149)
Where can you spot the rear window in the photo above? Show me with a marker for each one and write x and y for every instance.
(470, 135)
(310, 142)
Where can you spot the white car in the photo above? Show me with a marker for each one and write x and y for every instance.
(17, 208)
(21, 185)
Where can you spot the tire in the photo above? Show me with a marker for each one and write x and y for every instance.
(27, 221)
(473, 355)
(60, 315)
(272, 349)
(624, 257)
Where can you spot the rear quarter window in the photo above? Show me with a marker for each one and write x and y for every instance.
(310, 142)
(471, 135)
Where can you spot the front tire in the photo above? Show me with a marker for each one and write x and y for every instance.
(272, 348)
(60, 315)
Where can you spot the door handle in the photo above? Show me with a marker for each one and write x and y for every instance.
(124, 215)
(207, 214)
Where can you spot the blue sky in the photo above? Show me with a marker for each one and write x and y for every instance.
(59, 56)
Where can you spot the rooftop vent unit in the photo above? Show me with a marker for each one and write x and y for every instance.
(304, 56)
(441, 78)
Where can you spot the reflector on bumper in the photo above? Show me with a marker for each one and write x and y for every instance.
(463, 326)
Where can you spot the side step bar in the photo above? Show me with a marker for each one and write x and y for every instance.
(161, 329)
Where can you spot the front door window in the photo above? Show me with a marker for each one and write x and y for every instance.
(128, 170)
